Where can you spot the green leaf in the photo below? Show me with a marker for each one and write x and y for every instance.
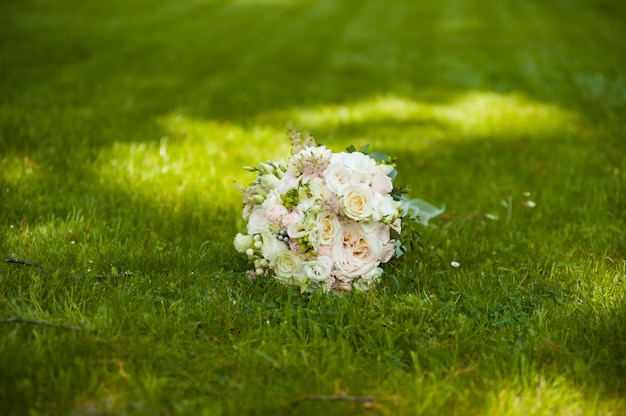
(379, 157)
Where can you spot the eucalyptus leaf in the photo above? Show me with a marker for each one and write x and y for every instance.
(421, 211)
(379, 156)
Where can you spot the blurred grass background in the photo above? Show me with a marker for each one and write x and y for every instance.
(124, 124)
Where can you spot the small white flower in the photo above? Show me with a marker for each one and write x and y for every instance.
(531, 204)
(455, 264)
(491, 217)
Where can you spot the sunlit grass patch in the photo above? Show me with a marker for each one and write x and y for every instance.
(469, 116)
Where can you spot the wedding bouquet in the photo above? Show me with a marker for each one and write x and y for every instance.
(324, 221)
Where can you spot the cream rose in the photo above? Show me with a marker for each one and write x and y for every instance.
(357, 201)
(288, 267)
(329, 227)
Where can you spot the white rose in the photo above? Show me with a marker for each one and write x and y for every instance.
(271, 247)
(359, 162)
(257, 222)
(242, 242)
(319, 269)
(357, 201)
(384, 207)
(361, 178)
(384, 168)
(288, 267)
(337, 175)
(367, 281)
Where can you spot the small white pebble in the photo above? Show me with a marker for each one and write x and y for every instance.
(455, 264)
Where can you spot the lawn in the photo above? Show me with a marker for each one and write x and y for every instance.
(123, 125)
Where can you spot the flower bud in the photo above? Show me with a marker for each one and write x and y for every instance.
(270, 181)
(257, 199)
(265, 168)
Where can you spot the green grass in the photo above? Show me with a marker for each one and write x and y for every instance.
(123, 125)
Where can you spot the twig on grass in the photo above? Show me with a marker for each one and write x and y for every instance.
(17, 319)
(24, 262)
(336, 397)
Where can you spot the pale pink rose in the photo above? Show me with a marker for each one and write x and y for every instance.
(340, 286)
(350, 234)
(389, 250)
(382, 234)
(290, 218)
(324, 251)
(382, 183)
(397, 225)
(356, 253)
(276, 212)
(294, 245)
